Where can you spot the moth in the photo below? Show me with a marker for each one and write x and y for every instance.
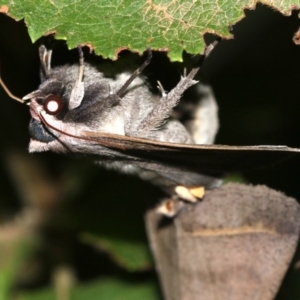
(77, 109)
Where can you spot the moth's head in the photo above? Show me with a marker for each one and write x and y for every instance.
(57, 96)
(65, 106)
(48, 100)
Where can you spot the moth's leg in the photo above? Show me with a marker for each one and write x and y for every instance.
(45, 59)
(163, 110)
(135, 74)
(190, 194)
(170, 207)
(77, 93)
(167, 102)
(81, 64)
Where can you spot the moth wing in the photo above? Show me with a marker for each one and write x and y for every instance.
(206, 159)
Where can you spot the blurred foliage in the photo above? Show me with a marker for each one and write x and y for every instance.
(106, 289)
(133, 256)
(70, 228)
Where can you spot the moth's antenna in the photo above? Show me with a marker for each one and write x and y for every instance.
(8, 92)
(135, 74)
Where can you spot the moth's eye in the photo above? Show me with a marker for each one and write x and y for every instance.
(53, 104)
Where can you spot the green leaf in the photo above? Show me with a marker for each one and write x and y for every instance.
(103, 289)
(110, 25)
(45, 294)
(15, 247)
(133, 255)
(116, 290)
(110, 219)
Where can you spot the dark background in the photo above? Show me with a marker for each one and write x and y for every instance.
(255, 77)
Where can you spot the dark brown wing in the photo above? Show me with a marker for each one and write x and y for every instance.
(210, 159)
